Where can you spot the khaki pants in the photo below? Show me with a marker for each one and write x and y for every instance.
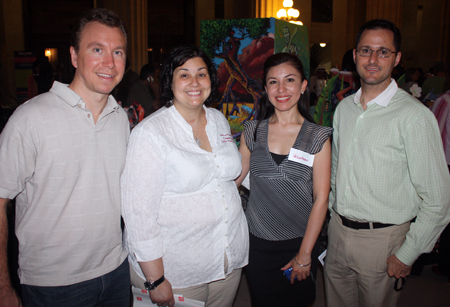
(356, 268)
(219, 293)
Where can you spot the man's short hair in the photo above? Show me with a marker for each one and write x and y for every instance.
(381, 24)
(146, 71)
(101, 15)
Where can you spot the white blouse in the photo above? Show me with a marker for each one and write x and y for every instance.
(180, 202)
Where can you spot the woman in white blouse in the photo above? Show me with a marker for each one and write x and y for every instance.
(185, 228)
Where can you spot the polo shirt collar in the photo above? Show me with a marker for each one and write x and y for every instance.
(73, 99)
(383, 99)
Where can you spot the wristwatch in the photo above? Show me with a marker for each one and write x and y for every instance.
(151, 285)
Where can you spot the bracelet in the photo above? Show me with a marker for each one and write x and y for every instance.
(301, 265)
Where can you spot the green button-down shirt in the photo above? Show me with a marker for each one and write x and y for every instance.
(389, 167)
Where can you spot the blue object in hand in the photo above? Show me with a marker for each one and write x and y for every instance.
(288, 272)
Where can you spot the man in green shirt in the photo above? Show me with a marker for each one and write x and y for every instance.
(388, 167)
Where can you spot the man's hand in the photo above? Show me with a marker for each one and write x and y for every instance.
(396, 268)
(163, 295)
(9, 298)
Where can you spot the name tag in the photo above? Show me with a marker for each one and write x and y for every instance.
(227, 138)
(301, 157)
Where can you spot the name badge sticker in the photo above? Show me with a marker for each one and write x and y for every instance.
(227, 138)
(301, 157)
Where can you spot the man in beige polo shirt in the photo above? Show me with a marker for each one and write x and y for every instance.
(61, 156)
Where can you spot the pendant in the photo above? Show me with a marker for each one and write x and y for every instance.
(197, 141)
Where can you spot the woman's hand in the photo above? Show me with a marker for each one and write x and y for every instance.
(163, 295)
(301, 267)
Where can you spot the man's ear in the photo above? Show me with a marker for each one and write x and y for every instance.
(73, 56)
(398, 56)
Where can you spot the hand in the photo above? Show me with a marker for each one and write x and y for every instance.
(299, 271)
(163, 295)
(9, 298)
(396, 268)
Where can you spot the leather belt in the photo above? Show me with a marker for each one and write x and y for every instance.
(362, 225)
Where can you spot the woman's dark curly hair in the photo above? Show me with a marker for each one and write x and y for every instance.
(266, 109)
(176, 58)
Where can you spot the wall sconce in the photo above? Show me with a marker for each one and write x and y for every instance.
(52, 55)
(287, 13)
(322, 45)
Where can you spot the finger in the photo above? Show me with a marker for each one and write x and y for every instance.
(287, 266)
(405, 273)
(293, 275)
(390, 271)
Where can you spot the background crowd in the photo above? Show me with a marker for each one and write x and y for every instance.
(98, 210)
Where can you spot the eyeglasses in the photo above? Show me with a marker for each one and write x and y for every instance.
(382, 53)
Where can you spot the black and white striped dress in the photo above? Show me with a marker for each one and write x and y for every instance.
(278, 210)
(281, 195)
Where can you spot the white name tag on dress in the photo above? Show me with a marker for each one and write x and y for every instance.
(301, 157)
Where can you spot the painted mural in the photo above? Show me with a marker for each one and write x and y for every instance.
(239, 48)
(292, 38)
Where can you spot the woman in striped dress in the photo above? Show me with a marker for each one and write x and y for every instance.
(289, 159)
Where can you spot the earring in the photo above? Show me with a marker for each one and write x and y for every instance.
(302, 93)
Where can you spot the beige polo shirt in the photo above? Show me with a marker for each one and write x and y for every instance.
(65, 172)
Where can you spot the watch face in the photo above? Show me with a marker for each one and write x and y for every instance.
(149, 285)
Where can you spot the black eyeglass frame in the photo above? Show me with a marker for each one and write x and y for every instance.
(358, 52)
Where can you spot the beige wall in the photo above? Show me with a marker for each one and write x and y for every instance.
(134, 14)
(340, 41)
(11, 39)
(267, 8)
(425, 34)
(204, 10)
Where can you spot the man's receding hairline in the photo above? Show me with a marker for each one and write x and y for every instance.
(77, 48)
(378, 29)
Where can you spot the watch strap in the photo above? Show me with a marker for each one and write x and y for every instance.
(151, 285)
